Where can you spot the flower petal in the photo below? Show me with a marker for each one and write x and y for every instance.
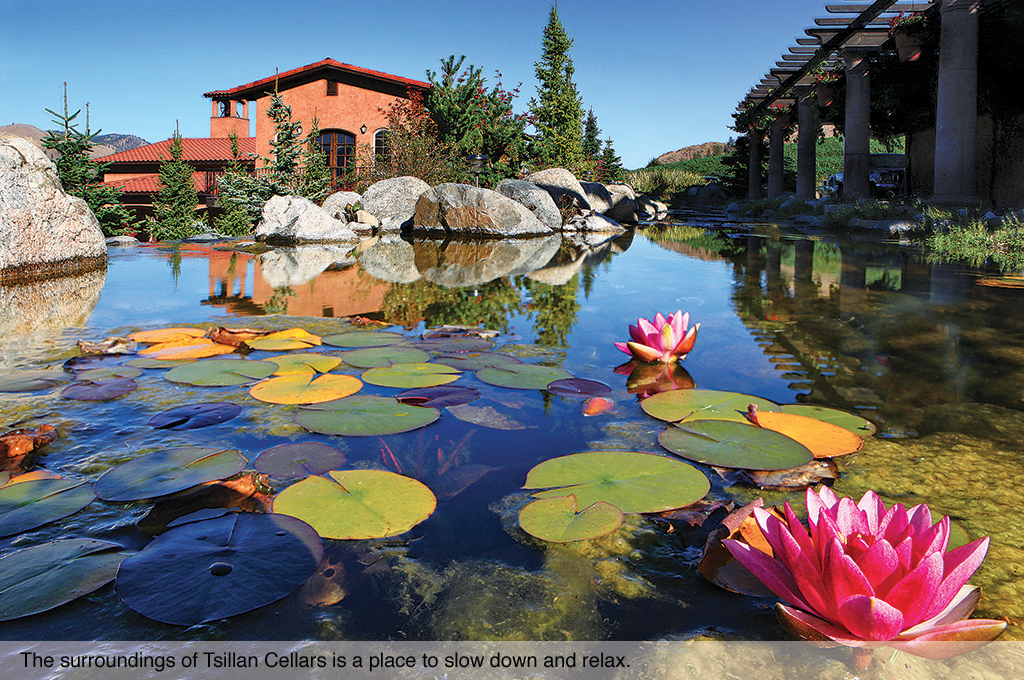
(952, 639)
(768, 570)
(960, 565)
(685, 345)
(878, 563)
(809, 627)
(933, 539)
(962, 606)
(873, 508)
(843, 578)
(870, 618)
(914, 593)
(622, 346)
(643, 352)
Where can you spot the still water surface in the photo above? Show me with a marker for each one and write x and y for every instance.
(932, 353)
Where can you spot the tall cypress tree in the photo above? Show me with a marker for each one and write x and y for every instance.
(558, 109)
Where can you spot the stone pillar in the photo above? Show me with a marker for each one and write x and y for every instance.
(806, 148)
(754, 167)
(956, 114)
(857, 136)
(775, 157)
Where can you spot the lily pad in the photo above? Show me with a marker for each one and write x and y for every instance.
(194, 348)
(103, 389)
(305, 388)
(109, 372)
(578, 387)
(194, 416)
(726, 443)
(301, 459)
(678, 405)
(412, 375)
(455, 344)
(364, 339)
(160, 363)
(288, 364)
(630, 480)
(93, 361)
(357, 504)
(487, 416)
(364, 415)
(522, 376)
(209, 570)
(32, 381)
(27, 505)
(475, 361)
(165, 472)
(220, 372)
(825, 440)
(557, 520)
(284, 341)
(40, 578)
(382, 357)
(162, 335)
(852, 422)
(438, 397)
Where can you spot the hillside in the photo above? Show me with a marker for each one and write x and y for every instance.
(690, 152)
(106, 144)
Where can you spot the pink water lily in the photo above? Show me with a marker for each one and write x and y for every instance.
(665, 340)
(865, 577)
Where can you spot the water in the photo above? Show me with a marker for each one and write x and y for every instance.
(932, 353)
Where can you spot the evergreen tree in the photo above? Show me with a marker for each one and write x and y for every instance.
(174, 207)
(286, 146)
(591, 141)
(610, 170)
(557, 112)
(315, 183)
(233, 188)
(80, 175)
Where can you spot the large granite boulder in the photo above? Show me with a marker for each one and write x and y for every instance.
(291, 220)
(390, 258)
(614, 201)
(336, 203)
(561, 184)
(463, 263)
(590, 221)
(533, 197)
(295, 266)
(393, 198)
(469, 210)
(43, 231)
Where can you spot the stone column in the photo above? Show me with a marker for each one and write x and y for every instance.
(775, 157)
(956, 114)
(754, 167)
(857, 136)
(806, 148)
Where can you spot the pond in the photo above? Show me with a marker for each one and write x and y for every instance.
(931, 353)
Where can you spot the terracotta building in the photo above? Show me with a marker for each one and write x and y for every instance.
(347, 101)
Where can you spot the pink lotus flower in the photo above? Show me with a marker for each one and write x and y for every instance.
(665, 340)
(866, 577)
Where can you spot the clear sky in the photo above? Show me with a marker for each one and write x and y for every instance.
(659, 74)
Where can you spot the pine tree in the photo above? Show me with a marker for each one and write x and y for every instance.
(610, 170)
(315, 183)
(174, 207)
(557, 112)
(233, 189)
(286, 146)
(80, 175)
(591, 141)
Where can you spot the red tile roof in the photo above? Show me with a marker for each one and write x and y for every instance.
(150, 184)
(326, 64)
(192, 149)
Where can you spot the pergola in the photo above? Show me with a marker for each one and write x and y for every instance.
(848, 38)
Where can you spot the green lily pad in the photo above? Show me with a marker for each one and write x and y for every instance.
(382, 357)
(685, 405)
(40, 578)
(630, 480)
(578, 387)
(109, 372)
(557, 520)
(364, 415)
(288, 364)
(357, 504)
(220, 372)
(454, 344)
(412, 375)
(729, 444)
(165, 472)
(475, 361)
(160, 363)
(215, 568)
(522, 376)
(279, 344)
(27, 505)
(31, 381)
(852, 422)
(364, 339)
(301, 459)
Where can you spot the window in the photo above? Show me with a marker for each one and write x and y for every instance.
(225, 108)
(380, 144)
(332, 88)
(339, 148)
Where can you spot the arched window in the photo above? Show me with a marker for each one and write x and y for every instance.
(339, 148)
(380, 144)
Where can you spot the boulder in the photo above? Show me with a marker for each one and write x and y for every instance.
(561, 184)
(469, 210)
(533, 197)
(464, 263)
(290, 220)
(43, 231)
(395, 197)
(649, 209)
(391, 258)
(617, 205)
(592, 221)
(336, 203)
(284, 267)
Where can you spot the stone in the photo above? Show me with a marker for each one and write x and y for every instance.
(469, 210)
(336, 203)
(561, 184)
(533, 197)
(463, 263)
(122, 241)
(623, 189)
(390, 258)
(364, 217)
(43, 231)
(394, 225)
(291, 220)
(618, 205)
(394, 197)
(294, 266)
(592, 221)
(648, 208)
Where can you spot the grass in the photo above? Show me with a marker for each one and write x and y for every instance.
(967, 237)
(660, 180)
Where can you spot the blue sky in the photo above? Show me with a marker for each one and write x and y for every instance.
(659, 75)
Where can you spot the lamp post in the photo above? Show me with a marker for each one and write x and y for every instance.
(477, 163)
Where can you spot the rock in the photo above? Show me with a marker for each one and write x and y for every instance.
(618, 206)
(561, 184)
(395, 197)
(43, 231)
(301, 264)
(648, 208)
(290, 220)
(336, 203)
(390, 259)
(732, 208)
(465, 209)
(394, 225)
(623, 200)
(591, 221)
(623, 189)
(533, 197)
(462, 263)
(123, 241)
(364, 217)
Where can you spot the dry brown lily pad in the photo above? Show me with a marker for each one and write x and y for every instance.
(243, 492)
(718, 565)
(235, 336)
(16, 445)
(696, 514)
(818, 470)
(111, 345)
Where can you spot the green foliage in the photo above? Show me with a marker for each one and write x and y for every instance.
(315, 183)
(240, 206)
(174, 207)
(660, 180)
(970, 239)
(609, 168)
(864, 208)
(286, 146)
(81, 176)
(553, 309)
(591, 141)
(474, 120)
(557, 112)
